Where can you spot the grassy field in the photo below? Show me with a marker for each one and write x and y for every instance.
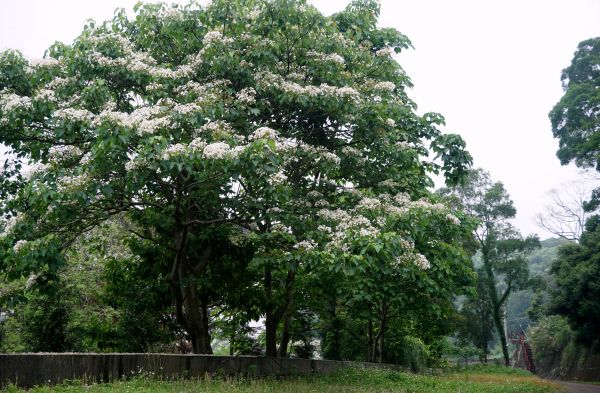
(475, 380)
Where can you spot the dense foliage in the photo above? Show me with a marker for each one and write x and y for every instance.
(263, 160)
(575, 118)
(576, 293)
(503, 250)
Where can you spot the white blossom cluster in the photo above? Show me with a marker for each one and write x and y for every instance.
(216, 126)
(263, 133)
(319, 154)
(144, 120)
(428, 206)
(63, 152)
(326, 57)
(71, 182)
(150, 126)
(30, 171)
(345, 222)
(422, 262)
(278, 178)
(404, 145)
(390, 122)
(203, 91)
(19, 245)
(279, 227)
(172, 13)
(175, 150)
(73, 114)
(329, 157)
(216, 37)
(132, 59)
(217, 150)
(385, 86)
(197, 144)
(385, 52)
(10, 224)
(45, 62)
(415, 258)
(186, 109)
(351, 151)
(305, 245)
(46, 95)
(181, 71)
(137, 61)
(10, 101)
(370, 217)
(31, 280)
(369, 203)
(59, 82)
(246, 96)
(115, 117)
(268, 80)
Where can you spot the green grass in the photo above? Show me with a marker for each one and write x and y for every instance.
(492, 379)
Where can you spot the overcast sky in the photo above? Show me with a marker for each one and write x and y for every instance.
(490, 67)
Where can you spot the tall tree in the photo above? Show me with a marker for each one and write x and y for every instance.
(477, 322)
(503, 249)
(251, 121)
(576, 117)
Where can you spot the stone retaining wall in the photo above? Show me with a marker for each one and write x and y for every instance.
(30, 369)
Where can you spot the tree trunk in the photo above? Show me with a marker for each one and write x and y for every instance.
(285, 335)
(496, 306)
(206, 338)
(270, 324)
(274, 315)
(500, 330)
(196, 320)
(379, 344)
(370, 353)
(382, 351)
(191, 312)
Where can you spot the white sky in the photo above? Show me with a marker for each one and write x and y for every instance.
(491, 67)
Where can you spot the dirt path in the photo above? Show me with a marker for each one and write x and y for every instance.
(580, 387)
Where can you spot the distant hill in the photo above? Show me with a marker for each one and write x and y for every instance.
(541, 259)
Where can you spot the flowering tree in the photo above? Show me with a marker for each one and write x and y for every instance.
(286, 130)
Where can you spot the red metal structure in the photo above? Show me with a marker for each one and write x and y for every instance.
(523, 355)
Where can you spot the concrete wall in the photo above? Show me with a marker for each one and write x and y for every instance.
(30, 369)
(577, 367)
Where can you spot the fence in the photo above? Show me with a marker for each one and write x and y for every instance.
(30, 369)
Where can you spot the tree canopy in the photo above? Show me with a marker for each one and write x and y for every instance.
(256, 128)
(576, 117)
